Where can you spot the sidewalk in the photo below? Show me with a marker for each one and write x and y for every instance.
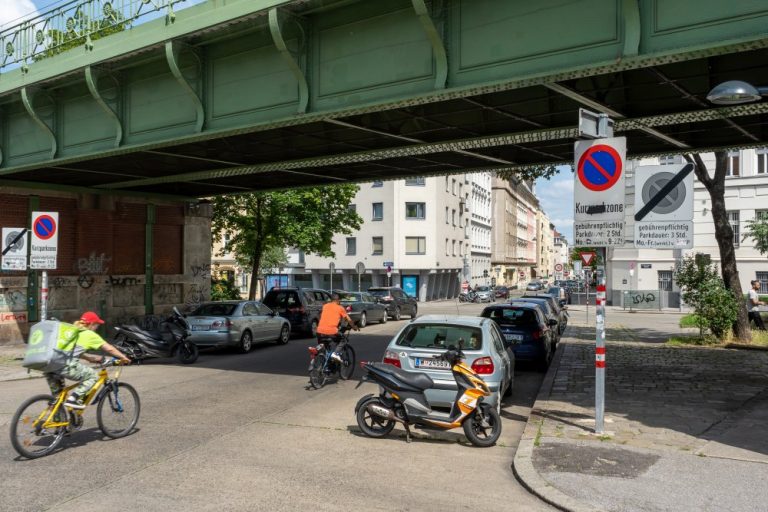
(10, 363)
(686, 429)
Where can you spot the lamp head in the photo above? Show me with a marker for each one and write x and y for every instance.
(735, 92)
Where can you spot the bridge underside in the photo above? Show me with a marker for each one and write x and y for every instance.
(363, 132)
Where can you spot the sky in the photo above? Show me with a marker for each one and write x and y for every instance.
(556, 198)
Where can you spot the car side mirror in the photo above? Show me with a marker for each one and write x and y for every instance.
(552, 322)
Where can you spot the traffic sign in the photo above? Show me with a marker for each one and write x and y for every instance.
(558, 267)
(15, 242)
(664, 206)
(45, 240)
(587, 258)
(360, 267)
(599, 192)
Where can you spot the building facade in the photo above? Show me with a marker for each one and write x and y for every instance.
(480, 206)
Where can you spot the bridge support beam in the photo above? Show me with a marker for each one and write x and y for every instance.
(438, 48)
(172, 53)
(27, 99)
(92, 81)
(277, 37)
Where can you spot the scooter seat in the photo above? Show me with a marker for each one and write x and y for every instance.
(417, 380)
(157, 335)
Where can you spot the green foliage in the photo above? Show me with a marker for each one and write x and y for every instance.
(60, 41)
(224, 289)
(261, 225)
(703, 289)
(530, 173)
(757, 229)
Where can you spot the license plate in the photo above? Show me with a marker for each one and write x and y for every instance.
(514, 337)
(432, 363)
(201, 328)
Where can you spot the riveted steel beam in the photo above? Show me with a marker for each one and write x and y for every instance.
(172, 53)
(27, 99)
(35, 185)
(92, 76)
(695, 116)
(277, 37)
(438, 48)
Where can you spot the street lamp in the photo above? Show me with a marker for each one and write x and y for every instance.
(736, 92)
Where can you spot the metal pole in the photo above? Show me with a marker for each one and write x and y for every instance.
(44, 297)
(600, 356)
(358, 282)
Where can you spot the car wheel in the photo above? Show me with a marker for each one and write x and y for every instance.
(415, 311)
(246, 342)
(383, 318)
(285, 333)
(396, 316)
(363, 320)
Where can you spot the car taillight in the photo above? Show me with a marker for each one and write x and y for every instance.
(536, 335)
(391, 358)
(218, 324)
(349, 308)
(483, 366)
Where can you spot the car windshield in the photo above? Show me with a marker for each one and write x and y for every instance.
(350, 297)
(517, 317)
(483, 288)
(441, 336)
(214, 310)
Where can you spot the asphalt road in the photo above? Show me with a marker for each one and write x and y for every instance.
(242, 432)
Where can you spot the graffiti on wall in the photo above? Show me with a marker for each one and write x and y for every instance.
(15, 318)
(13, 300)
(93, 264)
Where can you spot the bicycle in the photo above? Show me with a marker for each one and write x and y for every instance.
(41, 422)
(322, 367)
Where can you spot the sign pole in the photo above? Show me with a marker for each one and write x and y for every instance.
(44, 297)
(600, 357)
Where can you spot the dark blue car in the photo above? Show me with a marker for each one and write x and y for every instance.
(526, 331)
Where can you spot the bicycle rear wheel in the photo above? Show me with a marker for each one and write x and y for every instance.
(28, 436)
(317, 375)
(347, 364)
(118, 410)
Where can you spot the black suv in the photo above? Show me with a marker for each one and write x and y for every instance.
(397, 301)
(300, 306)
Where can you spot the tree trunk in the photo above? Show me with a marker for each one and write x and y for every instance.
(724, 236)
(257, 251)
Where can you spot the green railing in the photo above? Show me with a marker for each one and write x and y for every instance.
(77, 23)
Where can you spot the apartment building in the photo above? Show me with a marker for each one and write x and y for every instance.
(545, 245)
(480, 202)
(746, 198)
(561, 255)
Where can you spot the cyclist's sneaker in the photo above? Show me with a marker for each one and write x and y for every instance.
(337, 357)
(74, 402)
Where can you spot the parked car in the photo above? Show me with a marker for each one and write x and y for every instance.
(561, 315)
(396, 300)
(534, 286)
(562, 293)
(546, 309)
(502, 292)
(236, 324)
(300, 306)
(363, 307)
(415, 346)
(485, 294)
(529, 334)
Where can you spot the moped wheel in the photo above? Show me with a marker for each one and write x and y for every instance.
(118, 410)
(28, 436)
(483, 427)
(347, 364)
(187, 353)
(371, 424)
(317, 376)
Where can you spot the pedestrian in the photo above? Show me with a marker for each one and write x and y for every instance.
(753, 305)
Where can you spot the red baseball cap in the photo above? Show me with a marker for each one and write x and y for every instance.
(90, 317)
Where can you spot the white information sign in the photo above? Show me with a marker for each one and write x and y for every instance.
(14, 249)
(599, 192)
(45, 240)
(664, 206)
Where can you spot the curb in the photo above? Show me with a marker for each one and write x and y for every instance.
(522, 465)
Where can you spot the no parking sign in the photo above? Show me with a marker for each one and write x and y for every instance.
(45, 240)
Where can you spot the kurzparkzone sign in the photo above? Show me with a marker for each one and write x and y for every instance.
(599, 192)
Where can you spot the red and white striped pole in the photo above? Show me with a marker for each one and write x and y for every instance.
(600, 356)
(44, 297)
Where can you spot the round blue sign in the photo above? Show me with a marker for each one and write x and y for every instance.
(599, 167)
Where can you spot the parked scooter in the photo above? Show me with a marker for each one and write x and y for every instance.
(401, 399)
(468, 296)
(170, 340)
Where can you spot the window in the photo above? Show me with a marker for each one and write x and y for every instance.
(418, 181)
(732, 163)
(351, 245)
(665, 280)
(763, 278)
(446, 247)
(453, 251)
(668, 160)
(250, 309)
(453, 217)
(378, 183)
(733, 220)
(761, 214)
(447, 188)
(415, 245)
(447, 215)
(378, 211)
(377, 244)
(453, 187)
(415, 210)
(762, 160)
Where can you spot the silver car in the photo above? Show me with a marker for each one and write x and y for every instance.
(485, 294)
(416, 345)
(236, 324)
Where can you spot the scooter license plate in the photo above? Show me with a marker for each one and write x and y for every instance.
(432, 363)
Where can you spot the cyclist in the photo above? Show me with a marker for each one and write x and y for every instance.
(328, 327)
(87, 340)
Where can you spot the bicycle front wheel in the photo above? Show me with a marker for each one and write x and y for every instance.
(317, 375)
(347, 364)
(29, 436)
(118, 410)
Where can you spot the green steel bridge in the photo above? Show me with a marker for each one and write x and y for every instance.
(153, 97)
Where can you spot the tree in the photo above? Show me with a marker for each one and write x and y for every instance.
(757, 229)
(715, 185)
(260, 225)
